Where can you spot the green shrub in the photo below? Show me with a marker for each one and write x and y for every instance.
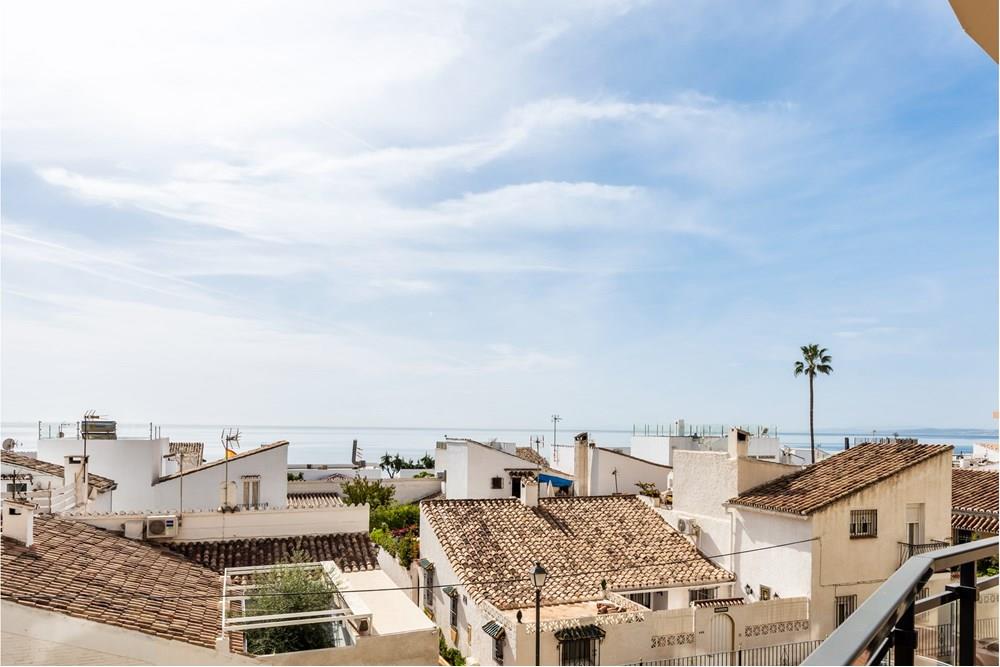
(423, 474)
(395, 517)
(359, 491)
(648, 489)
(288, 590)
(451, 655)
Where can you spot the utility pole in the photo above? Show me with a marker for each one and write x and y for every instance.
(555, 420)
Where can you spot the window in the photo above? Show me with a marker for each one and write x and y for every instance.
(496, 483)
(251, 490)
(765, 593)
(864, 523)
(960, 536)
(429, 589)
(645, 599)
(703, 594)
(17, 487)
(845, 607)
(579, 652)
(498, 650)
(454, 611)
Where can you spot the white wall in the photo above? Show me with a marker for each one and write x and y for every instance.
(213, 525)
(41, 481)
(407, 490)
(472, 467)
(630, 470)
(132, 464)
(52, 638)
(787, 570)
(202, 485)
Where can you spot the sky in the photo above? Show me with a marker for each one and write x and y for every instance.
(481, 214)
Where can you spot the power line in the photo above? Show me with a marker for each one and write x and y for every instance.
(454, 585)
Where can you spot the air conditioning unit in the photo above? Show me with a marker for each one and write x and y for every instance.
(687, 526)
(165, 525)
(442, 475)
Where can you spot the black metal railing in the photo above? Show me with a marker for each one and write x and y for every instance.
(908, 551)
(779, 654)
(883, 629)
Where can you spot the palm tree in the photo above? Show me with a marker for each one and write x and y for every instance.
(814, 360)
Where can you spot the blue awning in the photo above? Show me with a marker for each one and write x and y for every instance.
(555, 481)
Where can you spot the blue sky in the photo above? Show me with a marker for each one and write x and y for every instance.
(480, 214)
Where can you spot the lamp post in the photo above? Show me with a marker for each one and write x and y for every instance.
(538, 578)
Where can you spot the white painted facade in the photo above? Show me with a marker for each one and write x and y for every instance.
(44, 485)
(661, 448)
(214, 525)
(134, 464)
(599, 471)
(202, 485)
(474, 470)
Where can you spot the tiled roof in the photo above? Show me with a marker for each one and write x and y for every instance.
(974, 500)
(102, 484)
(529, 454)
(817, 485)
(976, 523)
(579, 540)
(975, 490)
(89, 573)
(191, 452)
(241, 455)
(304, 500)
(720, 602)
(350, 551)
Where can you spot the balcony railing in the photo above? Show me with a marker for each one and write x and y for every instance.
(779, 654)
(883, 629)
(908, 551)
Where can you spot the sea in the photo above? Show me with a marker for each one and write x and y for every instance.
(332, 444)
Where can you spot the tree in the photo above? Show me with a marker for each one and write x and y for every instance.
(359, 491)
(390, 464)
(814, 361)
(426, 461)
(285, 590)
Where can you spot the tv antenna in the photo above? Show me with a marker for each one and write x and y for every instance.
(230, 443)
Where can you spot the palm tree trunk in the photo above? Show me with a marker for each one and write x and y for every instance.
(812, 434)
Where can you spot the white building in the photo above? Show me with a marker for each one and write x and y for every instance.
(56, 488)
(600, 471)
(831, 532)
(132, 602)
(471, 469)
(148, 473)
(622, 585)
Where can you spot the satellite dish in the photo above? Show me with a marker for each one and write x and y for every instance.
(9, 444)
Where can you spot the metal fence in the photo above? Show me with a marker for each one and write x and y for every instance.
(779, 654)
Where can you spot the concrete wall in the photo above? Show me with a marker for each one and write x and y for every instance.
(408, 578)
(132, 464)
(202, 485)
(38, 637)
(411, 648)
(845, 566)
(407, 490)
(212, 525)
(472, 467)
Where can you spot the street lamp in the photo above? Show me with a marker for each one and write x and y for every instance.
(538, 576)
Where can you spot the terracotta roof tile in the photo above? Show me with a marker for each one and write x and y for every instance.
(82, 571)
(974, 500)
(306, 500)
(579, 540)
(529, 454)
(815, 486)
(351, 552)
(191, 452)
(102, 484)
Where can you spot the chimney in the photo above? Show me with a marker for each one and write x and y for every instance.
(19, 521)
(529, 492)
(581, 463)
(75, 475)
(739, 443)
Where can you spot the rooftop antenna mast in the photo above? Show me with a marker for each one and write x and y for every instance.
(230, 441)
(555, 452)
